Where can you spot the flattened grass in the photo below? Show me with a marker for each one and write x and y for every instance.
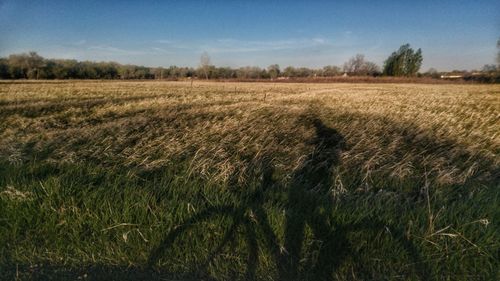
(249, 181)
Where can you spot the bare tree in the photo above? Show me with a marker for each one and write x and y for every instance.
(359, 66)
(354, 64)
(205, 63)
(26, 65)
(498, 54)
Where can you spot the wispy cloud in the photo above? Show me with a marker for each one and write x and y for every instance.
(230, 45)
(175, 45)
(116, 51)
(164, 41)
(80, 42)
(301, 51)
(240, 46)
(162, 50)
(234, 46)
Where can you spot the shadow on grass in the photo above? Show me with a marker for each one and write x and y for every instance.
(43, 272)
(308, 203)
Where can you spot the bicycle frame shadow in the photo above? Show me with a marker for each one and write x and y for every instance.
(308, 203)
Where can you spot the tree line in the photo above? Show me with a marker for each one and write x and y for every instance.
(403, 62)
(33, 66)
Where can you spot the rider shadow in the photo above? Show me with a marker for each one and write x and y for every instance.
(308, 202)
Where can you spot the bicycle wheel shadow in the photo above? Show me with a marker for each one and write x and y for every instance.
(308, 205)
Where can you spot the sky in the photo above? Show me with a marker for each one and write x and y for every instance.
(452, 34)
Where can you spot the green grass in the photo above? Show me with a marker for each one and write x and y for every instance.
(322, 192)
(80, 216)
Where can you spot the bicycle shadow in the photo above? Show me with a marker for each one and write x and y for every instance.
(308, 204)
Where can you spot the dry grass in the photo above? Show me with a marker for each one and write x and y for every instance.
(145, 156)
(395, 130)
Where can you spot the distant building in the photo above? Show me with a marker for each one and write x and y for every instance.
(451, 76)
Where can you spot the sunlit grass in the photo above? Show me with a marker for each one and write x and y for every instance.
(327, 181)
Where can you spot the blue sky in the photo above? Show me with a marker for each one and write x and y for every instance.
(452, 34)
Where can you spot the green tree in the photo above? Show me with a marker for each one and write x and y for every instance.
(273, 71)
(4, 69)
(403, 62)
(330, 70)
(47, 71)
(289, 71)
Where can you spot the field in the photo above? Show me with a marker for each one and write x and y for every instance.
(258, 181)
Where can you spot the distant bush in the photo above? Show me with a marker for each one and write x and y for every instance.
(32, 66)
(357, 69)
(483, 78)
